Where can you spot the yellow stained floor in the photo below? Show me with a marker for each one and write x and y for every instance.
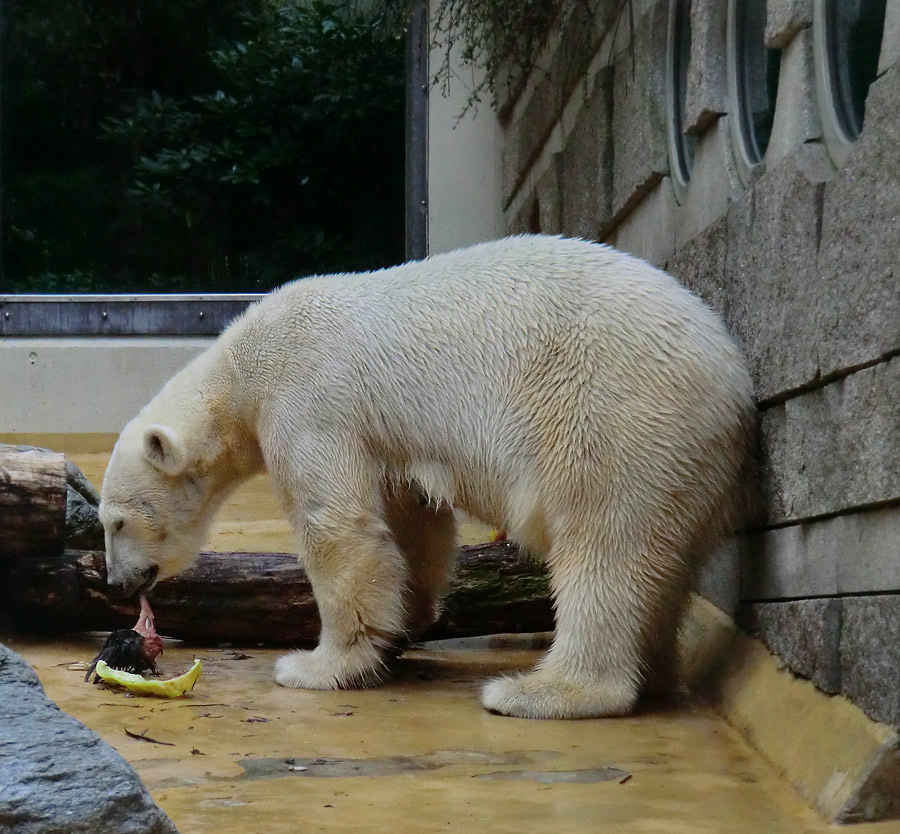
(241, 755)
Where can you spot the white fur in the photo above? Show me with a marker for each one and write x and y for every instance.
(571, 395)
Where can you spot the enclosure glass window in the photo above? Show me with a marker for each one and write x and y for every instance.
(681, 145)
(206, 146)
(755, 72)
(853, 31)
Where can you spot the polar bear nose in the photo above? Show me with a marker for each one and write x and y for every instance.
(128, 586)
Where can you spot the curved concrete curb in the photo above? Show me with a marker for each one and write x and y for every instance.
(843, 763)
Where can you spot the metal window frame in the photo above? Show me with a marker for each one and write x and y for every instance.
(189, 314)
(681, 157)
(204, 314)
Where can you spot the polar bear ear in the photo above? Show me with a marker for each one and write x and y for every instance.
(164, 449)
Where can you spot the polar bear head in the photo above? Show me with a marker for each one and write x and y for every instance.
(172, 467)
(156, 505)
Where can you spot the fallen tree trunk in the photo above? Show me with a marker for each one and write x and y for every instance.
(262, 598)
(32, 501)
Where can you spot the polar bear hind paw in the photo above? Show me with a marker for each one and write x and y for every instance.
(542, 695)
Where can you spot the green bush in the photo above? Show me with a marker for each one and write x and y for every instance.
(277, 151)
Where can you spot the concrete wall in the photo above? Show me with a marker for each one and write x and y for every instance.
(75, 385)
(464, 158)
(798, 253)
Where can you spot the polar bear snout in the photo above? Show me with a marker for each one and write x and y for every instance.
(126, 585)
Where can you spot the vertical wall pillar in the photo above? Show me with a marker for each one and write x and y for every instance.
(417, 131)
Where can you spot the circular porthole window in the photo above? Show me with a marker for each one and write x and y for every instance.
(753, 74)
(848, 36)
(678, 55)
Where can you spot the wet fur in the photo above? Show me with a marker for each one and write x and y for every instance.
(571, 395)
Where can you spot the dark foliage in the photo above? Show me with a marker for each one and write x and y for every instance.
(194, 145)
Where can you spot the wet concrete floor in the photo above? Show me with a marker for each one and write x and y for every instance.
(240, 754)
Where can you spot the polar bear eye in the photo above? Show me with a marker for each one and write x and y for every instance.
(118, 525)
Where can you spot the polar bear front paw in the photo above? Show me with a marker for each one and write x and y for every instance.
(325, 669)
(543, 695)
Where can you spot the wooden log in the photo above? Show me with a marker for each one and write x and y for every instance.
(32, 501)
(250, 599)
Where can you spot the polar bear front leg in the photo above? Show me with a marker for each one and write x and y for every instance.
(357, 575)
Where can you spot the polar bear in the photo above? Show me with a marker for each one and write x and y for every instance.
(569, 394)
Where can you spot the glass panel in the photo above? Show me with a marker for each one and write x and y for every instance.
(854, 30)
(684, 144)
(758, 70)
(198, 145)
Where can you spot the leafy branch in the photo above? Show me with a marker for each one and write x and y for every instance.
(504, 39)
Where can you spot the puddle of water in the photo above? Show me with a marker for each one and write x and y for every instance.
(554, 777)
(221, 802)
(271, 768)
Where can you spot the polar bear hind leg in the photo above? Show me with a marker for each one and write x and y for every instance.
(594, 666)
(620, 574)
(425, 533)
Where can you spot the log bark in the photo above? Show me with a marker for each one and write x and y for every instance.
(32, 502)
(251, 599)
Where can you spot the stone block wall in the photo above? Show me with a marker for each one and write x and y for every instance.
(799, 253)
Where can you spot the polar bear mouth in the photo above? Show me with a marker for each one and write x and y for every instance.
(150, 577)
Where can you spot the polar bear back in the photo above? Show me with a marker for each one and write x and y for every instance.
(521, 366)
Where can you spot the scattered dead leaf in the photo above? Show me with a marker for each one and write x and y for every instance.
(144, 737)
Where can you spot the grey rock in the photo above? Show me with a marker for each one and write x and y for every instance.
(848, 554)
(525, 220)
(586, 165)
(805, 634)
(719, 579)
(83, 528)
(772, 279)
(834, 448)
(648, 231)
(870, 655)
(868, 548)
(77, 482)
(784, 19)
(715, 180)
(789, 562)
(56, 775)
(547, 197)
(706, 81)
(890, 43)
(797, 124)
(553, 82)
(639, 114)
(526, 138)
(858, 310)
(700, 266)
